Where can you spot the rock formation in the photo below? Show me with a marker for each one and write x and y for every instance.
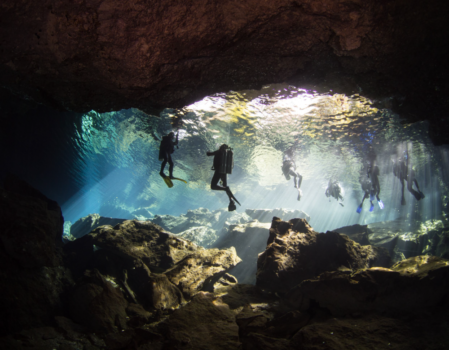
(266, 215)
(426, 238)
(296, 253)
(249, 240)
(110, 55)
(137, 287)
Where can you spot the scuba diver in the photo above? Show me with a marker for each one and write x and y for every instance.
(223, 164)
(404, 172)
(289, 169)
(166, 149)
(371, 187)
(334, 190)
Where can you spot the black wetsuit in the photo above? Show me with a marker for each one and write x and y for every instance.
(405, 173)
(217, 175)
(166, 149)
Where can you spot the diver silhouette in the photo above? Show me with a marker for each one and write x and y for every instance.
(334, 190)
(289, 169)
(403, 170)
(223, 164)
(370, 186)
(166, 149)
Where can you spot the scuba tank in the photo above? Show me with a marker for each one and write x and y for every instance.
(226, 162)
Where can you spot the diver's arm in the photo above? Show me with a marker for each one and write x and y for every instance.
(211, 153)
(177, 136)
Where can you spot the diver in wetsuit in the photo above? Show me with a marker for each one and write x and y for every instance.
(404, 172)
(289, 169)
(223, 164)
(371, 187)
(166, 149)
(334, 190)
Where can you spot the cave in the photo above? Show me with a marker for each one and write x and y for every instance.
(334, 115)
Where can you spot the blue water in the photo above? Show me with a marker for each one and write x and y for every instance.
(108, 163)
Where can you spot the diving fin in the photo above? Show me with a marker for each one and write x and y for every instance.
(168, 182)
(231, 196)
(231, 206)
(359, 209)
(371, 208)
(176, 178)
(381, 204)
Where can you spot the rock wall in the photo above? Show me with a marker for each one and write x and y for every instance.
(109, 55)
(33, 279)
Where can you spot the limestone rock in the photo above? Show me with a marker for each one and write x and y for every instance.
(402, 241)
(32, 280)
(84, 61)
(97, 304)
(205, 323)
(33, 226)
(358, 233)
(201, 235)
(200, 225)
(133, 239)
(295, 253)
(266, 215)
(249, 240)
(142, 214)
(202, 269)
(414, 286)
(90, 222)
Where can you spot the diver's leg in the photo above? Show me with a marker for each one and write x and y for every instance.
(299, 180)
(417, 186)
(365, 196)
(170, 169)
(402, 191)
(411, 190)
(224, 180)
(293, 173)
(214, 183)
(164, 162)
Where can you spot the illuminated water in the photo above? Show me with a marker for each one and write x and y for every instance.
(115, 167)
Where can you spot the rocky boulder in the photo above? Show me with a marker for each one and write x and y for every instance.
(402, 240)
(414, 286)
(205, 323)
(32, 278)
(98, 304)
(89, 223)
(295, 253)
(266, 215)
(201, 226)
(155, 269)
(249, 240)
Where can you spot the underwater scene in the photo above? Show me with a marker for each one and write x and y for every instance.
(275, 219)
(331, 138)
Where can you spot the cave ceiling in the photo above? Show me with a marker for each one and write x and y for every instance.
(109, 55)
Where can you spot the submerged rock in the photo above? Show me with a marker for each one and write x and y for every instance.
(402, 241)
(89, 223)
(414, 286)
(98, 304)
(295, 253)
(200, 226)
(205, 323)
(266, 215)
(249, 241)
(32, 279)
(143, 240)
(154, 268)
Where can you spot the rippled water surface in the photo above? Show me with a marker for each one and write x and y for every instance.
(331, 135)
